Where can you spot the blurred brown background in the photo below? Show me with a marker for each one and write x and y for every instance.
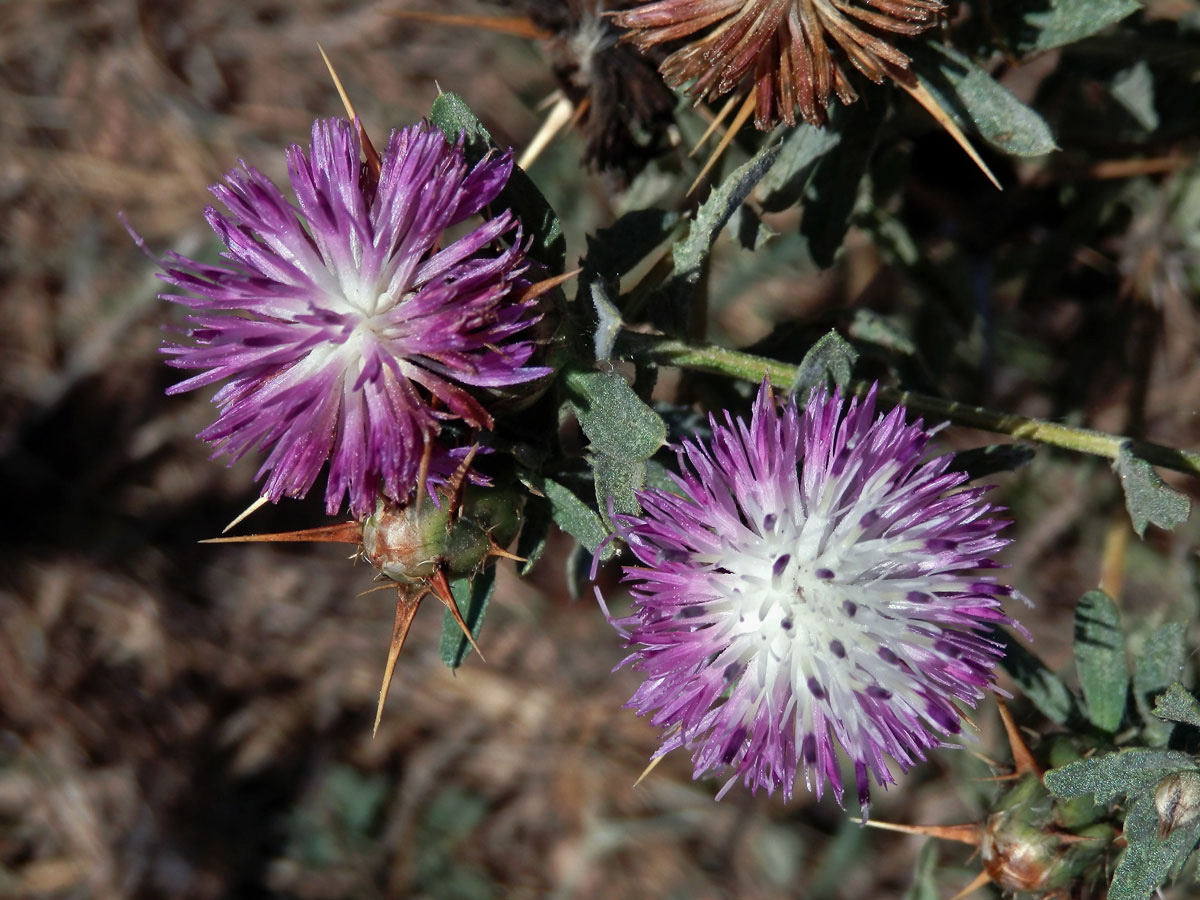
(195, 721)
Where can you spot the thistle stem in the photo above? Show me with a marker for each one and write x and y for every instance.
(747, 366)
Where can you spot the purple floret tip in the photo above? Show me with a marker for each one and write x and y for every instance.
(813, 584)
(344, 329)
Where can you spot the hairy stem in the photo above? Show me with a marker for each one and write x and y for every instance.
(705, 358)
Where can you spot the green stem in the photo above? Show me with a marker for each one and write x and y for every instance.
(754, 368)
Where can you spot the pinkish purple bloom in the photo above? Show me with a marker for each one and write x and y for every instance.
(344, 326)
(812, 584)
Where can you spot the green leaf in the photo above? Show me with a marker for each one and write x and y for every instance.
(1159, 665)
(982, 461)
(828, 362)
(690, 253)
(1113, 774)
(613, 417)
(785, 182)
(1043, 688)
(1149, 860)
(542, 229)
(571, 514)
(1133, 88)
(1178, 705)
(1036, 25)
(924, 884)
(974, 99)
(1147, 498)
(833, 188)
(472, 596)
(534, 533)
(1100, 660)
(618, 479)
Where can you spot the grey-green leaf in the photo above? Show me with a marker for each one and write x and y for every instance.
(613, 417)
(472, 596)
(1036, 25)
(974, 99)
(1113, 774)
(1100, 660)
(618, 478)
(785, 181)
(1149, 860)
(689, 254)
(1159, 665)
(1148, 500)
(1043, 688)
(534, 533)
(924, 885)
(828, 362)
(1178, 705)
(833, 189)
(542, 229)
(572, 515)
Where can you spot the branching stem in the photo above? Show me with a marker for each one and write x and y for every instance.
(706, 358)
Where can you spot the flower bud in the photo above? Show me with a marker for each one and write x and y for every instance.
(1026, 848)
(1177, 801)
(409, 543)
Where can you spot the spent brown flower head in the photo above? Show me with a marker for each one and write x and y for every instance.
(791, 53)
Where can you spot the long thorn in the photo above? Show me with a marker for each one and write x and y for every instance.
(976, 883)
(406, 609)
(560, 114)
(650, 768)
(373, 161)
(921, 94)
(249, 511)
(738, 121)
(345, 533)
(518, 27)
(714, 124)
(965, 834)
(546, 284)
(1023, 760)
(441, 590)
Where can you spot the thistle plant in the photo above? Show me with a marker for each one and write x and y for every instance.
(801, 572)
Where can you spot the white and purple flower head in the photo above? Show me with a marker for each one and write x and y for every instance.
(343, 329)
(812, 583)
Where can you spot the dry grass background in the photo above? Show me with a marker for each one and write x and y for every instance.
(184, 721)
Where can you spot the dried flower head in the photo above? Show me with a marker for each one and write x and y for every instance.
(811, 583)
(343, 329)
(623, 106)
(791, 52)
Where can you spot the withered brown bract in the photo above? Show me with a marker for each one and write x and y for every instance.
(628, 107)
(789, 53)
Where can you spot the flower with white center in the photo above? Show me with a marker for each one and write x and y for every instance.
(345, 327)
(811, 583)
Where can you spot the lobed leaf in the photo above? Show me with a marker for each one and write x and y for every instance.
(1148, 500)
(1178, 705)
(1149, 860)
(613, 416)
(1109, 776)
(828, 363)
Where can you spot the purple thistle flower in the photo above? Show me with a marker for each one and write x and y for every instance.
(811, 584)
(343, 330)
